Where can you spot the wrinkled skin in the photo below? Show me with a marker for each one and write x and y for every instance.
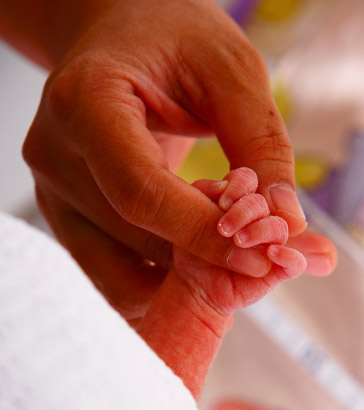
(129, 80)
(193, 308)
(286, 258)
(227, 291)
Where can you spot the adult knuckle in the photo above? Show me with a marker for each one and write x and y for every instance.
(128, 200)
(28, 149)
(78, 81)
(236, 62)
(271, 146)
(33, 149)
(142, 198)
(197, 233)
(254, 58)
(248, 64)
(44, 153)
(59, 94)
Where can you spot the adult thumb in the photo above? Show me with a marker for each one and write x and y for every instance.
(252, 133)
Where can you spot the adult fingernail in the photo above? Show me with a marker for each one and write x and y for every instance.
(286, 204)
(248, 261)
(285, 199)
(318, 264)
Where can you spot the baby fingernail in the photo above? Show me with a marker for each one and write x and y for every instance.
(248, 261)
(225, 203)
(225, 228)
(274, 250)
(285, 200)
(241, 238)
(221, 185)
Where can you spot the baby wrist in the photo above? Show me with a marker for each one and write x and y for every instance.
(195, 307)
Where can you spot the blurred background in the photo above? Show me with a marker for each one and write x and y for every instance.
(314, 51)
(21, 84)
(315, 56)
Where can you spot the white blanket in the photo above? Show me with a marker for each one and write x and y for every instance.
(61, 345)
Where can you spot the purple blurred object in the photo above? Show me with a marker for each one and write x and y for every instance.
(350, 192)
(324, 196)
(241, 10)
(342, 193)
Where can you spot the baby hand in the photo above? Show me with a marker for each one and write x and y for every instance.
(247, 212)
(191, 311)
(249, 222)
(247, 218)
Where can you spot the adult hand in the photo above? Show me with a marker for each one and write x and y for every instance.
(139, 74)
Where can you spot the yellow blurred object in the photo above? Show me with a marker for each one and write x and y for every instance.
(205, 161)
(277, 10)
(310, 172)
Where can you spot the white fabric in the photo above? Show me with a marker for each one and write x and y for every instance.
(61, 345)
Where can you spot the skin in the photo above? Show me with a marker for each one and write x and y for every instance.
(236, 406)
(131, 82)
(193, 308)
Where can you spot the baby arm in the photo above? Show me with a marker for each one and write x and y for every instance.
(192, 310)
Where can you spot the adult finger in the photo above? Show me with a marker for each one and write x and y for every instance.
(130, 169)
(239, 105)
(319, 251)
(122, 275)
(83, 195)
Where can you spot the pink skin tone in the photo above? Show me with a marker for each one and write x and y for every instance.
(193, 308)
(236, 406)
(115, 121)
(115, 81)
